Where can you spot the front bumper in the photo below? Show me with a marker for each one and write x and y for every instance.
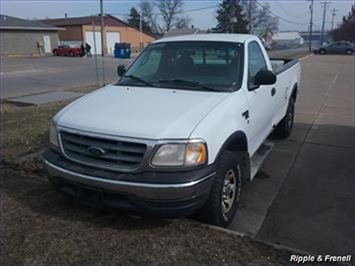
(142, 194)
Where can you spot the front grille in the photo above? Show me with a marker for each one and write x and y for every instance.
(118, 155)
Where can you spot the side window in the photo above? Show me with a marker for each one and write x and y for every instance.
(256, 61)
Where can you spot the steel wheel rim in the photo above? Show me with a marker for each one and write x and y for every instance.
(229, 190)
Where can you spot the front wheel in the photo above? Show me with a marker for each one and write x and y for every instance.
(284, 128)
(322, 51)
(349, 52)
(221, 205)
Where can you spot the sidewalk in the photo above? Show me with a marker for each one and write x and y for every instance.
(308, 179)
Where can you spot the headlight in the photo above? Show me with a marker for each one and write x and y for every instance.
(53, 137)
(180, 154)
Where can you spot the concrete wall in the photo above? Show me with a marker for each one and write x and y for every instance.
(17, 42)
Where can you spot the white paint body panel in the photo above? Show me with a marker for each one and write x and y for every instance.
(141, 112)
(158, 113)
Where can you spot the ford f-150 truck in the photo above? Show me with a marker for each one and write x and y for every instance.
(179, 132)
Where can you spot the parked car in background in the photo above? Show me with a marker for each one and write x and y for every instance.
(336, 48)
(180, 130)
(67, 50)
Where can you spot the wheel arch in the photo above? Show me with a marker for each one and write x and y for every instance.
(238, 144)
(294, 92)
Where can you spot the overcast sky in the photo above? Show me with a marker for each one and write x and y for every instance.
(296, 12)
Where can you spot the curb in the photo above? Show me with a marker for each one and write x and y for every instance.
(306, 57)
(270, 244)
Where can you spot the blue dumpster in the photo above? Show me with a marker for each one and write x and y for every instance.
(122, 50)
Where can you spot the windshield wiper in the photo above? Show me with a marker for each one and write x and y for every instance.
(139, 80)
(187, 83)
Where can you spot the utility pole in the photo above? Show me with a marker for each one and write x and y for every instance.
(311, 27)
(96, 66)
(102, 42)
(250, 5)
(333, 16)
(102, 28)
(325, 6)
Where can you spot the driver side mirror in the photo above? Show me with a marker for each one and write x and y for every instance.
(121, 69)
(264, 77)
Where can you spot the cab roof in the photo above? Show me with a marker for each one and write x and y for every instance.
(216, 37)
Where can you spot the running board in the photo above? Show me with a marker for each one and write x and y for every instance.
(258, 158)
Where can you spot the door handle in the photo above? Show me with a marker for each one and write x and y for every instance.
(273, 91)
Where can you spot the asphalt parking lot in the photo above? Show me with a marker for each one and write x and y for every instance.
(35, 75)
(303, 197)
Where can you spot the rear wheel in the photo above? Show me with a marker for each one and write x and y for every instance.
(55, 52)
(221, 205)
(349, 52)
(72, 54)
(284, 128)
(322, 51)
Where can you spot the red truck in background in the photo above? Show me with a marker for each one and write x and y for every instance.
(67, 50)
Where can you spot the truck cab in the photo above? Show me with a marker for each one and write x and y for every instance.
(179, 131)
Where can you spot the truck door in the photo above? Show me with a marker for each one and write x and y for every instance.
(260, 100)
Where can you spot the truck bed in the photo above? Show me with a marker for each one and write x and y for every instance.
(280, 65)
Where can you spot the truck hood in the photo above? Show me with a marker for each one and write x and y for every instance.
(141, 112)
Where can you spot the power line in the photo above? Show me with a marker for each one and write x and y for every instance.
(285, 20)
(180, 12)
(284, 10)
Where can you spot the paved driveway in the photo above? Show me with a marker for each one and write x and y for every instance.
(304, 195)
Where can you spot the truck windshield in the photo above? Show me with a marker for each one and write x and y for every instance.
(189, 65)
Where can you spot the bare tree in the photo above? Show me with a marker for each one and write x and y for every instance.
(183, 22)
(170, 11)
(260, 20)
(148, 14)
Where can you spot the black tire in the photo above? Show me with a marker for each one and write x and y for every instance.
(215, 211)
(55, 53)
(284, 128)
(349, 52)
(72, 54)
(322, 51)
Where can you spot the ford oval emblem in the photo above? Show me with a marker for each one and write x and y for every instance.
(96, 150)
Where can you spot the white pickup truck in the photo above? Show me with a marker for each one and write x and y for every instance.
(179, 132)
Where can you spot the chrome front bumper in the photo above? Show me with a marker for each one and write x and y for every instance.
(149, 191)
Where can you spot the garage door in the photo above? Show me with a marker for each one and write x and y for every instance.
(89, 36)
(112, 38)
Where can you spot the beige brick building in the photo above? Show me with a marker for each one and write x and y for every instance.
(87, 29)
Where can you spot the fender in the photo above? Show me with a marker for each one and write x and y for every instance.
(238, 143)
(294, 91)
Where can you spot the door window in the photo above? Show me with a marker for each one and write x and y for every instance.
(256, 62)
